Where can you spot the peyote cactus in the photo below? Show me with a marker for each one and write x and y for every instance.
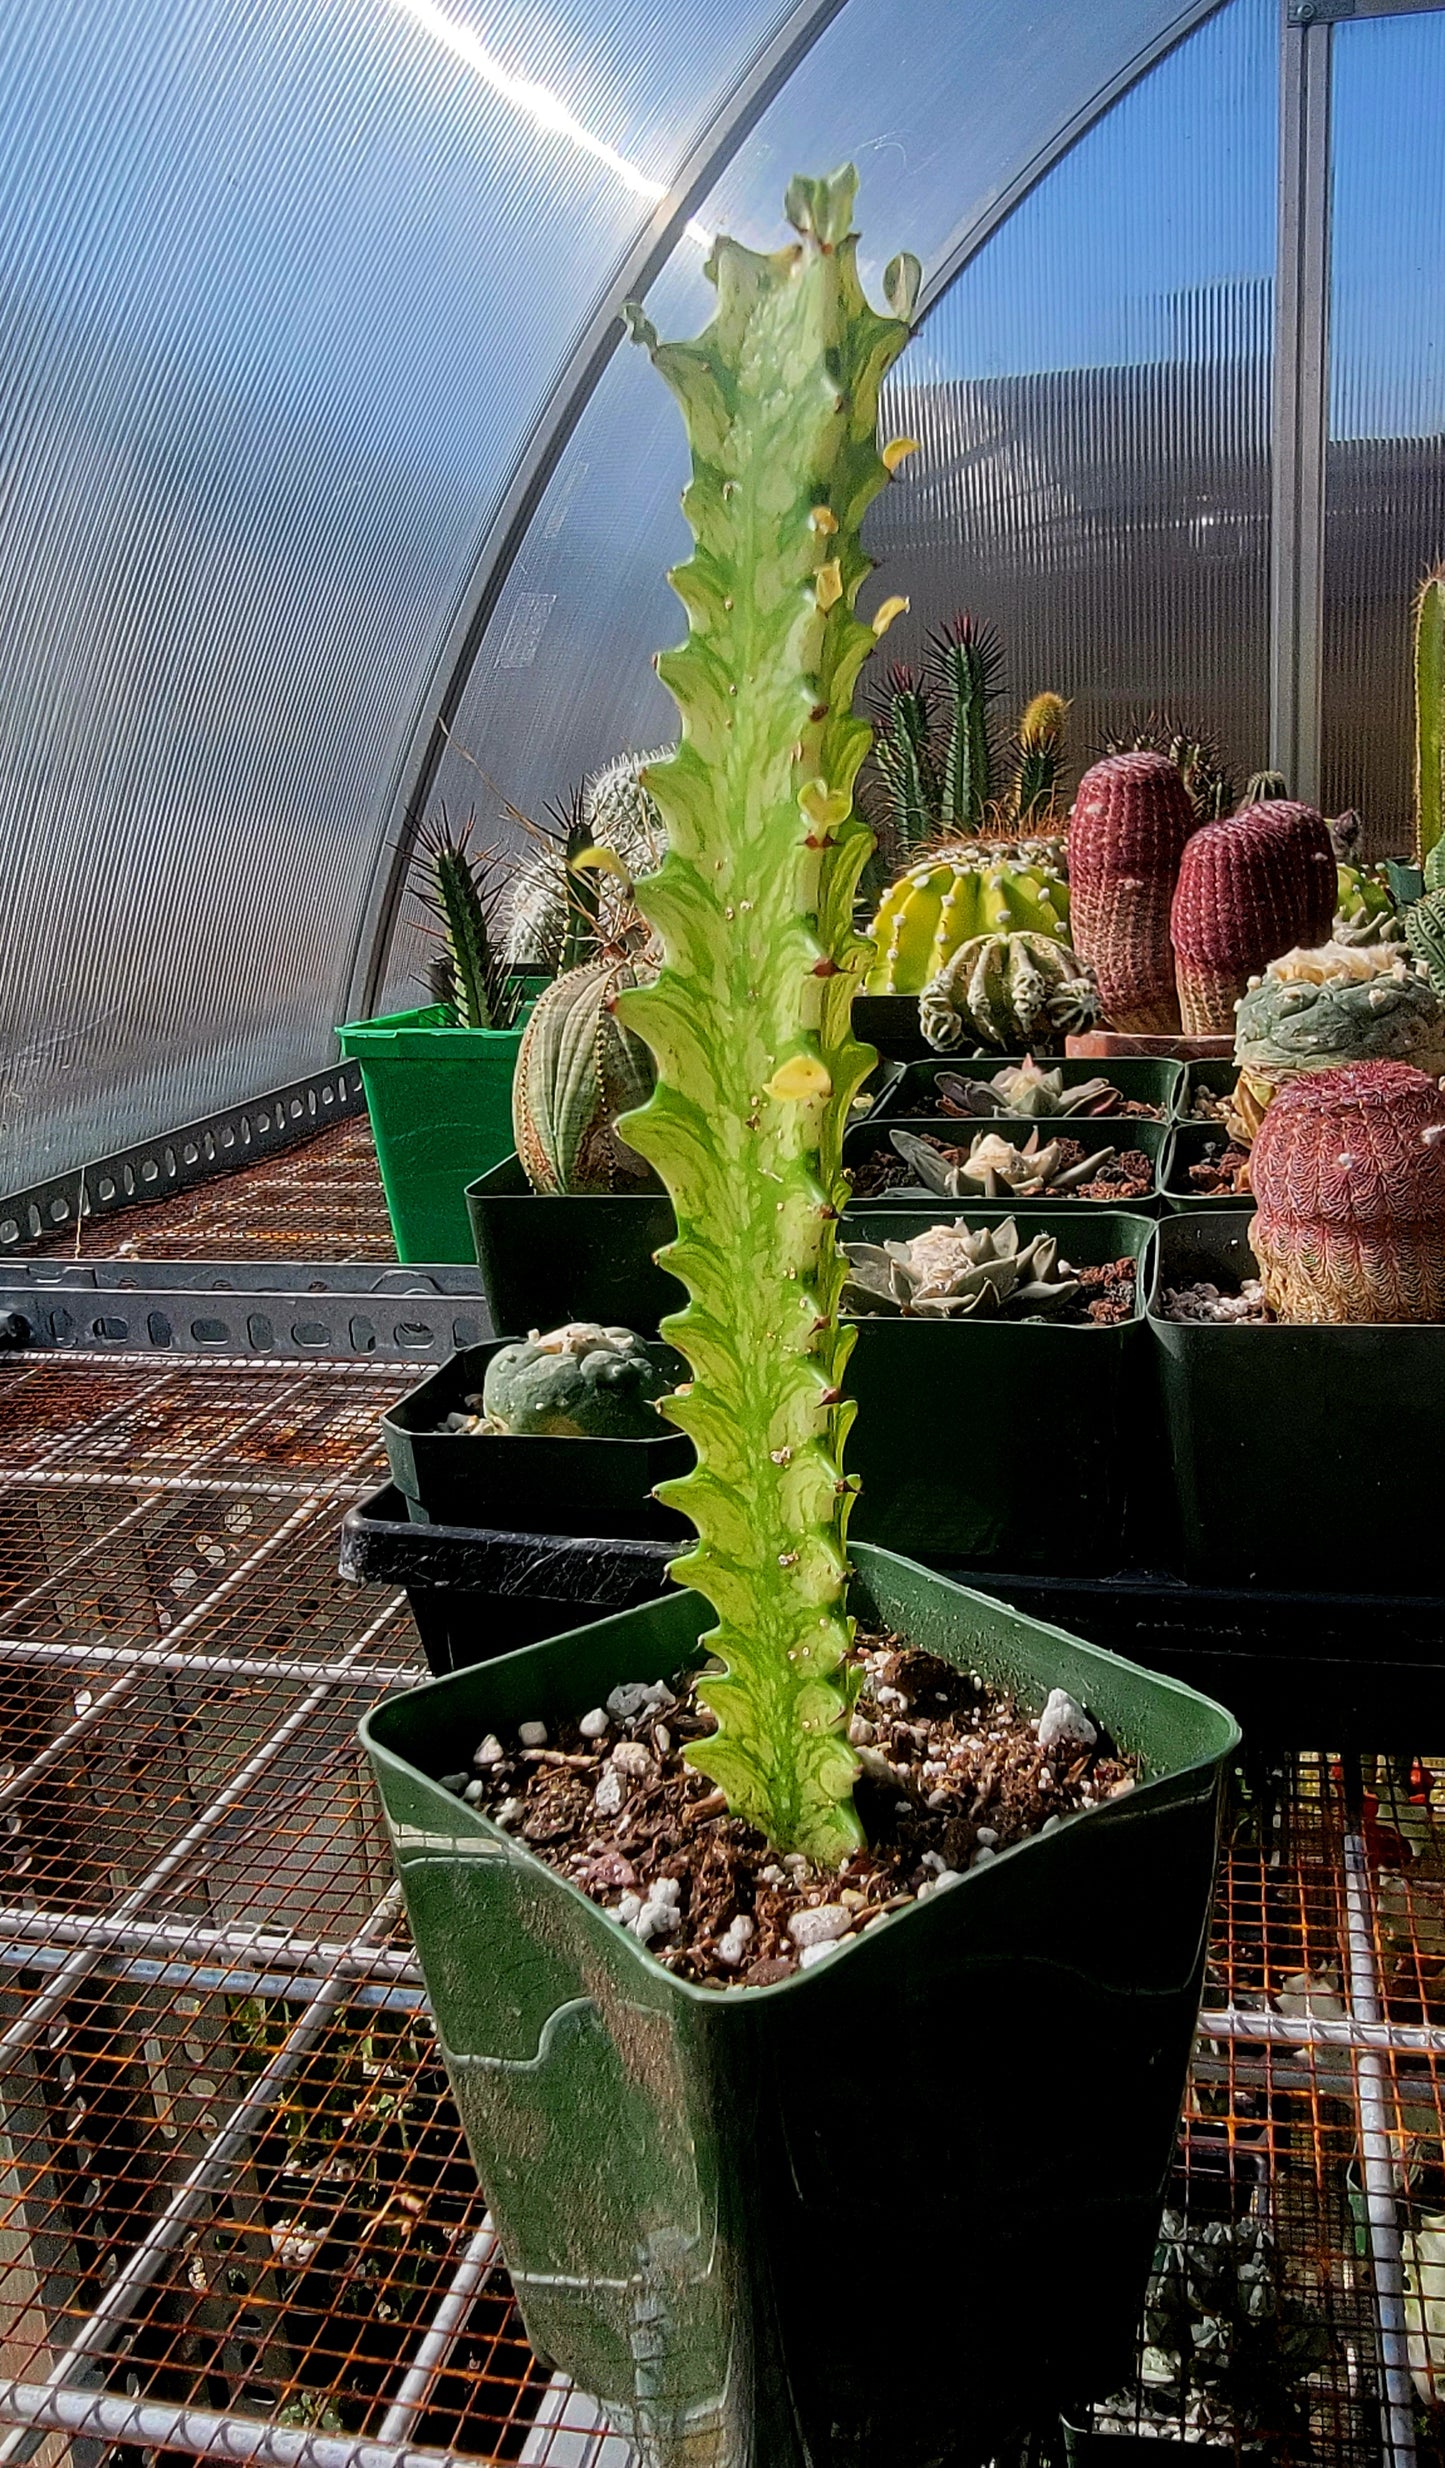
(460, 892)
(965, 889)
(554, 896)
(950, 1273)
(1257, 884)
(578, 1068)
(1315, 1010)
(1430, 714)
(1022, 1088)
(1008, 991)
(995, 1169)
(580, 1382)
(1348, 1172)
(750, 1017)
(1127, 834)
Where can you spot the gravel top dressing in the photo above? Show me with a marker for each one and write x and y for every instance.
(1127, 1176)
(953, 1774)
(1223, 1168)
(1221, 1305)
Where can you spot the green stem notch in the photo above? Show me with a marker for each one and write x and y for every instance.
(750, 1016)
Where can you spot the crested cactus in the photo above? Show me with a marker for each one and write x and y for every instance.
(749, 1020)
(1008, 991)
(556, 897)
(460, 892)
(1316, 1010)
(581, 1382)
(1127, 833)
(995, 1169)
(962, 890)
(1022, 1088)
(1260, 883)
(1348, 1173)
(1430, 714)
(578, 1068)
(950, 1273)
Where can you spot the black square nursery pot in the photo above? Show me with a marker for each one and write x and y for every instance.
(1302, 1457)
(1187, 1145)
(528, 1486)
(573, 1256)
(978, 2096)
(1003, 1443)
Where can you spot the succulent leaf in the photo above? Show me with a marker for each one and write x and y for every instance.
(749, 1018)
(952, 1272)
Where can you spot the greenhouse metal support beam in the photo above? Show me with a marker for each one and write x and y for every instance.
(1301, 398)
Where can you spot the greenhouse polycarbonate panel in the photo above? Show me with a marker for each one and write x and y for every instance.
(283, 284)
(943, 106)
(1091, 400)
(1385, 471)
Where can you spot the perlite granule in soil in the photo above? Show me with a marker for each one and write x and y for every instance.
(953, 1774)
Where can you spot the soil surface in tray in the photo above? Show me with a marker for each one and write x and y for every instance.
(1222, 1169)
(1207, 1107)
(953, 1773)
(1226, 1304)
(1127, 1176)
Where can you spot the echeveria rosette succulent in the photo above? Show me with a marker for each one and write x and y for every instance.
(750, 1017)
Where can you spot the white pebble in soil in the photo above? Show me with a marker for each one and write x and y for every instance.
(610, 1793)
(508, 1813)
(820, 1925)
(491, 1751)
(532, 1734)
(988, 1836)
(630, 1757)
(738, 1935)
(817, 1953)
(1063, 1723)
(594, 1726)
(475, 1792)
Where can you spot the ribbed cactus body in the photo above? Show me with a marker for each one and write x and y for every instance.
(1424, 923)
(1007, 991)
(1348, 1172)
(578, 1068)
(1260, 883)
(1127, 833)
(943, 901)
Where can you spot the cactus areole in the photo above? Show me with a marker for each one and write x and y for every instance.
(749, 1019)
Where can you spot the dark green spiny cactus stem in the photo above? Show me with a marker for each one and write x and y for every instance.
(1265, 787)
(1424, 923)
(461, 893)
(582, 931)
(750, 1017)
(965, 660)
(1039, 771)
(904, 756)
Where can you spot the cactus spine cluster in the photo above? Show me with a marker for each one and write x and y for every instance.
(1257, 884)
(1131, 819)
(459, 891)
(565, 910)
(1430, 713)
(578, 1068)
(1348, 1173)
(750, 1017)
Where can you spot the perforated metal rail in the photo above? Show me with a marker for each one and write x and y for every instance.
(236, 2215)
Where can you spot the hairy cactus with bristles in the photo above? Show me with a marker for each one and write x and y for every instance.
(1257, 884)
(1039, 760)
(757, 1065)
(1348, 1173)
(1127, 834)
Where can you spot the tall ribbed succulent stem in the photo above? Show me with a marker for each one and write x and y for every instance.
(965, 660)
(1430, 713)
(459, 893)
(1038, 777)
(582, 932)
(905, 758)
(749, 1018)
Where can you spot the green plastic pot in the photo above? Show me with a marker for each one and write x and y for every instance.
(1148, 1078)
(1185, 1147)
(978, 2098)
(1217, 1078)
(585, 1256)
(528, 1486)
(865, 1138)
(1302, 1457)
(1003, 1443)
(440, 1101)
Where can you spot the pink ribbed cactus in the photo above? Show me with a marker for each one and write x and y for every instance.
(1127, 831)
(1348, 1169)
(1249, 888)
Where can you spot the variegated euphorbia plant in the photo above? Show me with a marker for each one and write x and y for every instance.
(749, 1018)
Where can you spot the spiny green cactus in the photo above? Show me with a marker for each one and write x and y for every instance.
(903, 752)
(1424, 923)
(460, 891)
(966, 659)
(565, 911)
(966, 888)
(577, 1070)
(1039, 767)
(1265, 787)
(1430, 713)
(750, 1017)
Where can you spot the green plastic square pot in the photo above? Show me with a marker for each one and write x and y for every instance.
(977, 2098)
(1302, 1457)
(1185, 1147)
(1149, 1079)
(865, 1138)
(440, 1101)
(574, 1256)
(528, 1486)
(1003, 1443)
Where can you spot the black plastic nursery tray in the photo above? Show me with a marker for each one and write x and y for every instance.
(1360, 1670)
(1145, 1079)
(1119, 1132)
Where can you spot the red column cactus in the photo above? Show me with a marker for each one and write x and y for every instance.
(1348, 1169)
(1131, 819)
(1250, 887)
